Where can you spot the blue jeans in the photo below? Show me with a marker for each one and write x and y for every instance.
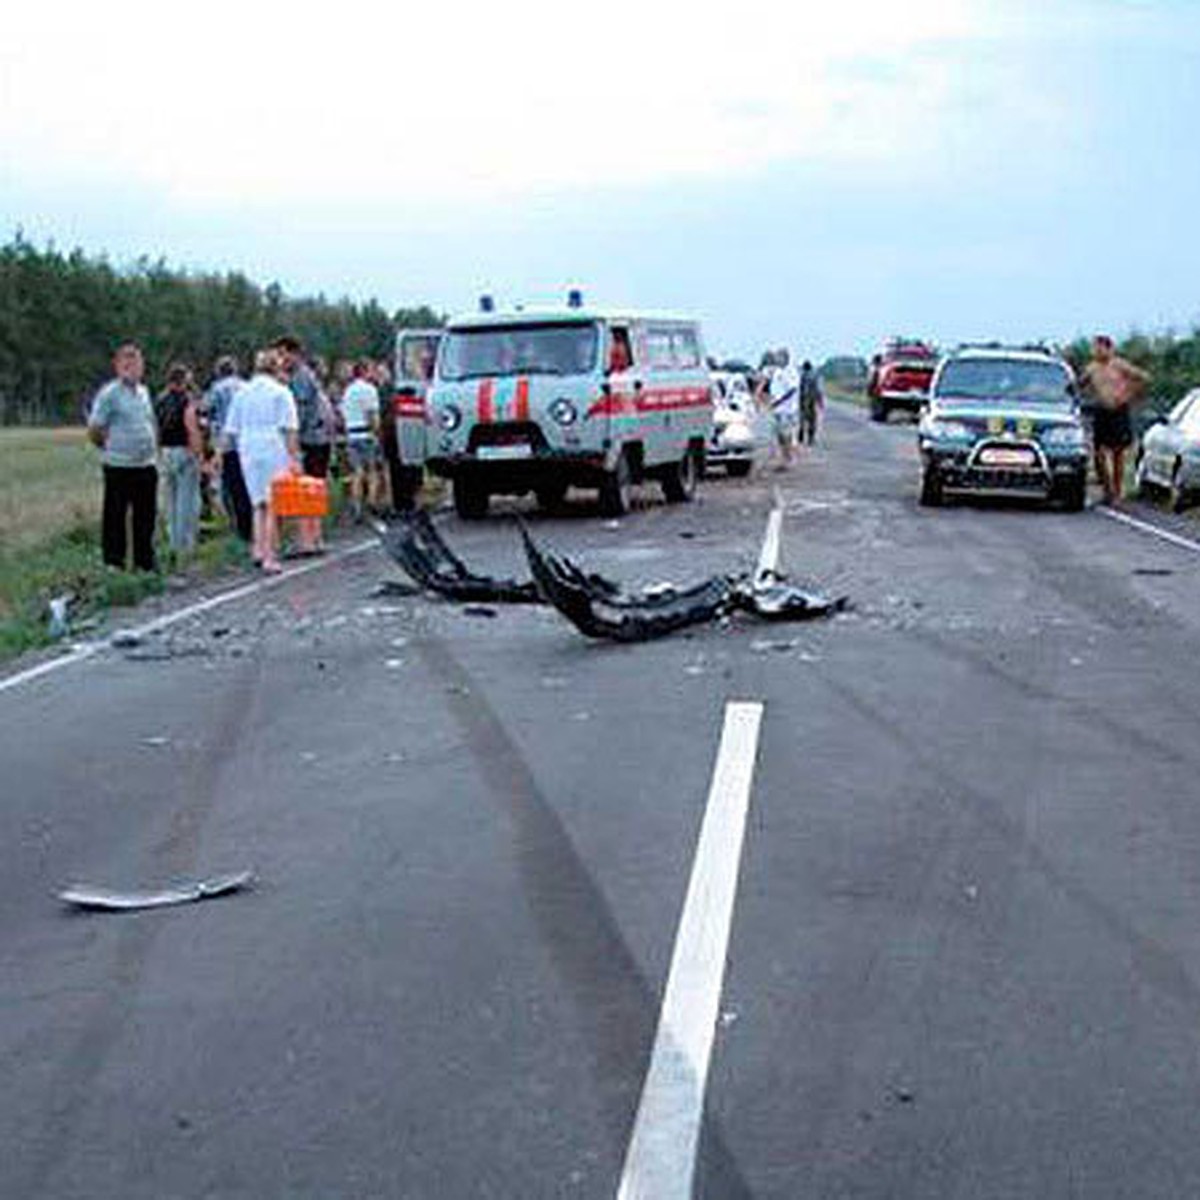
(181, 471)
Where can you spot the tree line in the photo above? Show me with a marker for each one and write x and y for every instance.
(62, 314)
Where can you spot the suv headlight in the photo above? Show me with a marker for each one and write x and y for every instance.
(1063, 435)
(947, 431)
(449, 417)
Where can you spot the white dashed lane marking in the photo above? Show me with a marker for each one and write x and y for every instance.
(660, 1162)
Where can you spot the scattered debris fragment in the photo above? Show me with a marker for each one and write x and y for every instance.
(766, 645)
(728, 1017)
(1153, 571)
(164, 653)
(598, 608)
(104, 900)
(125, 639)
(156, 741)
(58, 625)
(971, 892)
(395, 587)
(414, 542)
(394, 664)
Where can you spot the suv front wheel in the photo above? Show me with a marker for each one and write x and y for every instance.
(932, 494)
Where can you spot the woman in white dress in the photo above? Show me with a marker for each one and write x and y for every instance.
(262, 423)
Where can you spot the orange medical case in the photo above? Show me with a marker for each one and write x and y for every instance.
(299, 496)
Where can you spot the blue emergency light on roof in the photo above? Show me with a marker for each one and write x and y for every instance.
(574, 298)
(487, 304)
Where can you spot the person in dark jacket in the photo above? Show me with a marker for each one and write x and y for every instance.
(182, 447)
(234, 498)
(812, 401)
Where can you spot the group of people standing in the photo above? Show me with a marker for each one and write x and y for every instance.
(221, 448)
(793, 398)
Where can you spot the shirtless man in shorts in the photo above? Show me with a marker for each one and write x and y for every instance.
(1116, 385)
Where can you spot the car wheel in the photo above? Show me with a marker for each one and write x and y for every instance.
(932, 494)
(470, 500)
(1177, 494)
(879, 411)
(616, 492)
(739, 468)
(679, 483)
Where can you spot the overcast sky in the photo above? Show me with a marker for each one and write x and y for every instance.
(818, 175)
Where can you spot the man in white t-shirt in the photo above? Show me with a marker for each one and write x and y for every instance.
(783, 396)
(360, 411)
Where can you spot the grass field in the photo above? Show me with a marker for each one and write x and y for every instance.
(50, 496)
(49, 483)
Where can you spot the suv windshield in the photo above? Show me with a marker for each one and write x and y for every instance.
(1005, 380)
(568, 348)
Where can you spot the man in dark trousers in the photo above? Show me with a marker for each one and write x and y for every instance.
(812, 400)
(316, 429)
(234, 497)
(122, 424)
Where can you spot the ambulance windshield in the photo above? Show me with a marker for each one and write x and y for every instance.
(564, 348)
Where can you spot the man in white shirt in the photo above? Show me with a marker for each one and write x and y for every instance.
(783, 394)
(360, 412)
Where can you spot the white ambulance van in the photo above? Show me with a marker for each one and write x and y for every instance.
(539, 401)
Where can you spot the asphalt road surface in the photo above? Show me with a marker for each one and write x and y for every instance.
(962, 958)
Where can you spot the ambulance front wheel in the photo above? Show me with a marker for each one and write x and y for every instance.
(470, 500)
(679, 483)
(616, 491)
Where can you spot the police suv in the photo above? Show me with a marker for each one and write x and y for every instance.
(1003, 421)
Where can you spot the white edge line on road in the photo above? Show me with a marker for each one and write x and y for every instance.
(1167, 536)
(660, 1162)
(88, 650)
(768, 559)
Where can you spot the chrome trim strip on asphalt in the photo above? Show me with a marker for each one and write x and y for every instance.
(660, 1162)
(88, 650)
(768, 559)
(1167, 536)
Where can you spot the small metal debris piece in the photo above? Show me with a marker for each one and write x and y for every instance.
(58, 626)
(103, 900)
(394, 664)
(1153, 571)
(479, 610)
(157, 740)
(971, 892)
(395, 587)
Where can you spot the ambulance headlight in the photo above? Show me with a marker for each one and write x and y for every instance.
(450, 417)
(564, 412)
